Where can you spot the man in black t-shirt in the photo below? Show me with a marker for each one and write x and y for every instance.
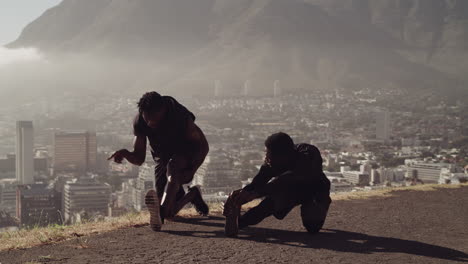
(178, 147)
(291, 175)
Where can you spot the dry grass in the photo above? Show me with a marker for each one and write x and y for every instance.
(387, 192)
(54, 234)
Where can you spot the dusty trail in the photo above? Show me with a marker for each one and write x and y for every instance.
(409, 227)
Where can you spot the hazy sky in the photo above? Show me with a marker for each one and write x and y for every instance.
(16, 14)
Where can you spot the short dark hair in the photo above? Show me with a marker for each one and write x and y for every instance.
(150, 101)
(279, 143)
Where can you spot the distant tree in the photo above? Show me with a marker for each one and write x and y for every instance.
(427, 154)
(461, 143)
(389, 161)
(333, 168)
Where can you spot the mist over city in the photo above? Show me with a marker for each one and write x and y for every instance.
(378, 87)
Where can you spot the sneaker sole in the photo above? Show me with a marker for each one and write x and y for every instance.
(152, 202)
(231, 228)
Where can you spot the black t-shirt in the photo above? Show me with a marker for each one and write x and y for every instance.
(170, 137)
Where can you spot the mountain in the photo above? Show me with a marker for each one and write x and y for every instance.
(251, 44)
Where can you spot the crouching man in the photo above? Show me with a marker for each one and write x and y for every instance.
(291, 175)
(178, 147)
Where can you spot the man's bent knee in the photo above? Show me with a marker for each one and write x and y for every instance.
(313, 214)
(313, 227)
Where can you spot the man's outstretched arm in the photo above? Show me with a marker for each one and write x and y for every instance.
(263, 176)
(136, 157)
(253, 190)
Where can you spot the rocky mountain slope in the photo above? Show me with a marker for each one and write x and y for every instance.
(299, 44)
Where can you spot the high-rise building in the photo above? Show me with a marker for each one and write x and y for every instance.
(75, 151)
(217, 174)
(276, 88)
(426, 172)
(39, 205)
(85, 198)
(383, 129)
(24, 152)
(357, 178)
(8, 196)
(142, 184)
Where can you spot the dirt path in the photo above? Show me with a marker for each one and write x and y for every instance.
(410, 227)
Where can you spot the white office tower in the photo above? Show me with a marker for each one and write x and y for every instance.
(84, 197)
(383, 128)
(276, 88)
(144, 183)
(247, 87)
(24, 152)
(357, 178)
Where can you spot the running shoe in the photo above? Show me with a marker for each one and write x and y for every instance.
(152, 202)
(200, 205)
(232, 212)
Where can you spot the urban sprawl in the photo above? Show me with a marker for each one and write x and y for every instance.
(53, 152)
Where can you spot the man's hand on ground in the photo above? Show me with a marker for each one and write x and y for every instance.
(235, 193)
(242, 197)
(231, 204)
(119, 155)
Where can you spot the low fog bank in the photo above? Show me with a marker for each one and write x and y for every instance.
(26, 74)
(14, 56)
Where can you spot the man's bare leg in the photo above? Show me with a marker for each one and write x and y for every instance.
(169, 198)
(181, 171)
(193, 196)
(176, 176)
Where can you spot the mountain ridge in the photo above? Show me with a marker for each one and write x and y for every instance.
(307, 44)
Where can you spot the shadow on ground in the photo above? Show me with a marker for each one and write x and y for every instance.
(331, 239)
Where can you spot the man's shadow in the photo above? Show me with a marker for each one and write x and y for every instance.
(331, 239)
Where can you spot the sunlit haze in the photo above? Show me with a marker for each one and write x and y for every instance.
(9, 56)
(109, 108)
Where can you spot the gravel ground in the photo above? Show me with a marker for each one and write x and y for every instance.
(409, 227)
